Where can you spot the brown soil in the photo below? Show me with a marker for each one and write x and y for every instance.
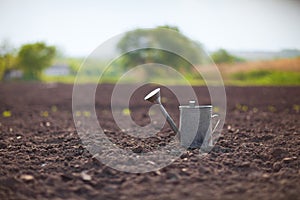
(42, 157)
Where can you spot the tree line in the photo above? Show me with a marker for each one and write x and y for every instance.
(31, 59)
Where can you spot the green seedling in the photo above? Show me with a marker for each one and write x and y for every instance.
(244, 108)
(216, 109)
(238, 106)
(296, 108)
(241, 107)
(77, 113)
(6, 113)
(44, 114)
(54, 109)
(271, 108)
(164, 99)
(126, 111)
(86, 113)
(152, 112)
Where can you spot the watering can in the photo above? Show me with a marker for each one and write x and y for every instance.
(195, 128)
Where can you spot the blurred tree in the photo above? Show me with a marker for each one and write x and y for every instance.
(222, 56)
(141, 39)
(174, 28)
(74, 65)
(7, 58)
(34, 58)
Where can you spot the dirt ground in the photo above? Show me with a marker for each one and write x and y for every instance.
(42, 157)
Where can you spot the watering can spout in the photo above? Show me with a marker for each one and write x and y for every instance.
(154, 97)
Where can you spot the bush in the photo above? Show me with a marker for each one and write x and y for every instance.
(222, 56)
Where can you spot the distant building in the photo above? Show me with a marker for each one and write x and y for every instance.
(12, 74)
(58, 70)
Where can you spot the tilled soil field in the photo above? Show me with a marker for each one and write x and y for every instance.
(42, 156)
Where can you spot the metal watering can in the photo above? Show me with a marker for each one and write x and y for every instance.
(195, 128)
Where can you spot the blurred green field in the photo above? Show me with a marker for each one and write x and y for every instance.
(265, 77)
(273, 72)
(70, 79)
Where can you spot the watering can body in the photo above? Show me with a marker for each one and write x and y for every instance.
(195, 125)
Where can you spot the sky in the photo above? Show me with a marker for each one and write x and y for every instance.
(77, 27)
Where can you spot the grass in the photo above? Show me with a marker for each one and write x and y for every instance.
(265, 77)
(70, 79)
(256, 77)
(274, 72)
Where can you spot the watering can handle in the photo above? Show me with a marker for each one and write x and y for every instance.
(218, 117)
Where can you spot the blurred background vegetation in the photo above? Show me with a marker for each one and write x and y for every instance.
(42, 62)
